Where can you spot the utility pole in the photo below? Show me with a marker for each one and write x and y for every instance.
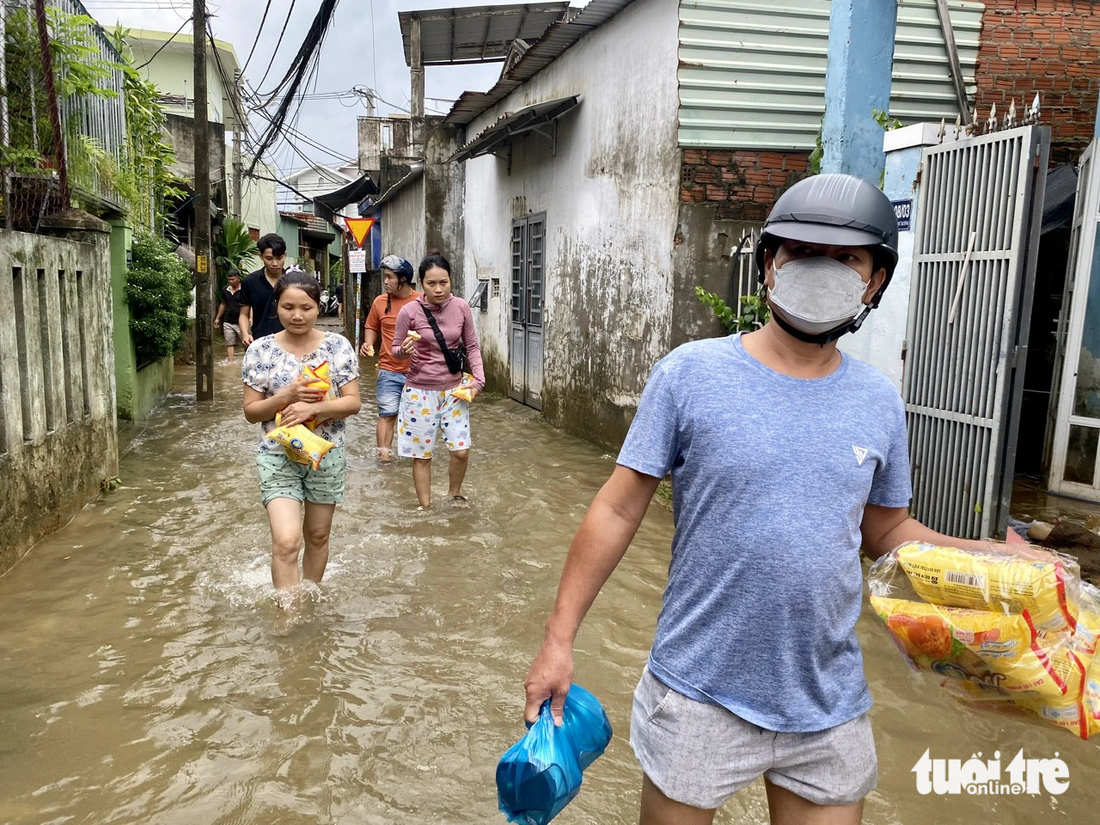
(204, 291)
(237, 164)
(416, 99)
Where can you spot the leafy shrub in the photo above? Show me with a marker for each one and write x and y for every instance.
(158, 292)
(753, 310)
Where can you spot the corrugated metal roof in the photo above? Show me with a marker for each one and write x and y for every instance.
(476, 34)
(557, 38)
(514, 124)
(752, 75)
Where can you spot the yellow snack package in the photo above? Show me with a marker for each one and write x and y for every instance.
(1068, 712)
(1037, 590)
(992, 650)
(317, 378)
(302, 445)
(465, 387)
(1092, 698)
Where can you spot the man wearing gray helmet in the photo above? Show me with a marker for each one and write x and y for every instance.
(786, 457)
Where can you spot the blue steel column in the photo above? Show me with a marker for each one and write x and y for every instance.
(857, 80)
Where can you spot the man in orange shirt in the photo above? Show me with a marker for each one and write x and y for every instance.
(397, 290)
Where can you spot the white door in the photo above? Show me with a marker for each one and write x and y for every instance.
(1073, 466)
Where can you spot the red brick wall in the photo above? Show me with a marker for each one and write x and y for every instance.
(1047, 46)
(743, 184)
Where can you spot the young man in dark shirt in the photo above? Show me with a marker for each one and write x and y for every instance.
(258, 307)
(229, 313)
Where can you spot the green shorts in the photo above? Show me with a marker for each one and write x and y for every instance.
(282, 478)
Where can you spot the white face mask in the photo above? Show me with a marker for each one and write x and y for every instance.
(816, 295)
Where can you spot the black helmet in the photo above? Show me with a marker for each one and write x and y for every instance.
(835, 209)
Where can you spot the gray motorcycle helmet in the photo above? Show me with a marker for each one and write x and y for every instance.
(835, 209)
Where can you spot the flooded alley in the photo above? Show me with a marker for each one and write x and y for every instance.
(146, 677)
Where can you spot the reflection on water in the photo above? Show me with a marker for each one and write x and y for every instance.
(147, 678)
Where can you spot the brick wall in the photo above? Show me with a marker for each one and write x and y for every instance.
(743, 184)
(1047, 46)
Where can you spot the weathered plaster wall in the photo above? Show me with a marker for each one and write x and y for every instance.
(610, 195)
(443, 214)
(181, 131)
(403, 223)
(58, 438)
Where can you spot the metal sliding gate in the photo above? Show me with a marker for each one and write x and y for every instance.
(979, 214)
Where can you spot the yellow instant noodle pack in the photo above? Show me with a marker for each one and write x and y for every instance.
(302, 445)
(317, 378)
(987, 581)
(1005, 631)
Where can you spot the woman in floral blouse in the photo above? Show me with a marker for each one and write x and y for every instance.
(273, 383)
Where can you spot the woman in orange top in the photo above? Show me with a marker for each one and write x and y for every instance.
(397, 290)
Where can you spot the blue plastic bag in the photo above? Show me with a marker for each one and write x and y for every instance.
(586, 723)
(540, 774)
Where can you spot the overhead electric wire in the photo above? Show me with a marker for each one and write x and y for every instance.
(278, 43)
(308, 55)
(294, 132)
(255, 42)
(162, 45)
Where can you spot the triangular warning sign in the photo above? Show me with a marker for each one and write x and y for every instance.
(359, 227)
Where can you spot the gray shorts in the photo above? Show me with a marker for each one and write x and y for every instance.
(701, 754)
(231, 333)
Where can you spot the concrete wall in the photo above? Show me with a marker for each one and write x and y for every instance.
(610, 195)
(58, 437)
(181, 134)
(444, 217)
(381, 137)
(403, 223)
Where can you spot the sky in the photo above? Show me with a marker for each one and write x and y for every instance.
(362, 48)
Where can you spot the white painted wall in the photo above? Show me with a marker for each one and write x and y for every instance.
(610, 196)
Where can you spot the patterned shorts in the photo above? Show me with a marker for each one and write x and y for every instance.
(282, 478)
(428, 416)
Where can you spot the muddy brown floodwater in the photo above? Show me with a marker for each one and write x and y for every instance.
(142, 679)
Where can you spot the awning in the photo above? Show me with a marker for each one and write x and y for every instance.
(415, 171)
(329, 204)
(478, 34)
(514, 124)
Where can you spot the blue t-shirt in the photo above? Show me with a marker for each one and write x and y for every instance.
(770, 475)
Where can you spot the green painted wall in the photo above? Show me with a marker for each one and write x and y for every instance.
(137, 392)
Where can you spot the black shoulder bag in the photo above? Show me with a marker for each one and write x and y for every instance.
(455, 358)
